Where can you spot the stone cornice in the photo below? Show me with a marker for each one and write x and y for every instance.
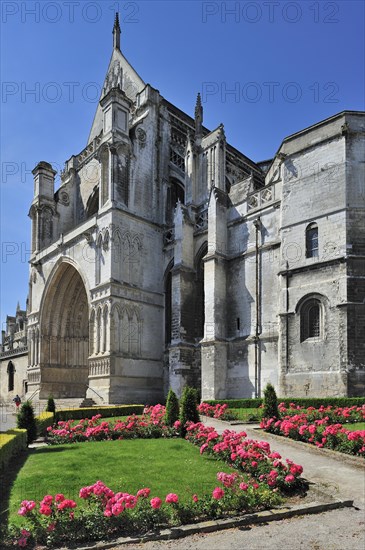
(14, 352)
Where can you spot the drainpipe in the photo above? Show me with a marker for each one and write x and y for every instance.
(287, 317)
(257, 224)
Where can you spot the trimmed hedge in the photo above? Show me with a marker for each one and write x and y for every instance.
(236, 403)
(11, 443)
(78, 414)
(325, 401)
(44, 420)
(302, 401)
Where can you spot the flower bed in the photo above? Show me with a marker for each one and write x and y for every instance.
(321, 432)
(257, 482)
(149, 425)
(217, 411)
(252, 457)
(333, 415)
(105, 514)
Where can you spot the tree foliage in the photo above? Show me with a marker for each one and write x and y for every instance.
(51, 405)
(26, 420)
(270, 402)
(172, 408)
(189, 411)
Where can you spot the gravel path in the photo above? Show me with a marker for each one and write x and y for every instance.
(335, 530)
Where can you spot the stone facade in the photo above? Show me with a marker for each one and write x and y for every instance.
(14, 357)
(167, 258)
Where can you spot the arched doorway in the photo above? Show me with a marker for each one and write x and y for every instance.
(64, 346)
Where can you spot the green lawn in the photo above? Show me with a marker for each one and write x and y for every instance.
(355, 426)
(248, 415)
(112, 419)
(163, 465)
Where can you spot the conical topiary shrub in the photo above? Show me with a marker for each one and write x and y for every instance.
(26, 420)
(51, 405)
(270, 402)
(189, 411)
(172, 408)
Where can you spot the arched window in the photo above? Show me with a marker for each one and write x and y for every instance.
(11, 371)
(175, 193)
(122, 178)
(311, 241)
(199, 293)
(92, 205)
(168, 307)
(104, 189)
(310, 319)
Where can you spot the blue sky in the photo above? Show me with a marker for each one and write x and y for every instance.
(265, 69)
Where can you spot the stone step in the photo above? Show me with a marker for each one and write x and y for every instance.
(87, 402)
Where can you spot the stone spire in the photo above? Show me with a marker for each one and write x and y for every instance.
(116, 32)
(198, 116)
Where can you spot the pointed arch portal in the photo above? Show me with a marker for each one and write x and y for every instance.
(64, 347)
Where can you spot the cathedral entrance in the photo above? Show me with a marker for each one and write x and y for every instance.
(64, 346)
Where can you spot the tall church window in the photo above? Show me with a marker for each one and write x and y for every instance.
(311, 241)
(310, 320)
(47, 226)
(199, 293)
(99, 259)
(11, 371)
(175, 193)
(104, 160)
(92, 333)
(123, 178)
(177, 159)
(168, 307)
(92, 205)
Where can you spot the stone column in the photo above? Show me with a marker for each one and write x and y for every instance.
(214, 345)
(181, 351)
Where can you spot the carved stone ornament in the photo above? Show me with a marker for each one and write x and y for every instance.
(141, 135)
(64, 198)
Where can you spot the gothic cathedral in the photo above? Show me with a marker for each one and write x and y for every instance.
(167, 257)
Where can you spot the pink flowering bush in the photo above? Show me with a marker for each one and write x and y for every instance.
(317, 427)
(105, 514)
(150, 425)
(217, 411)
(250, 456)
(333, 415)
(46, 519)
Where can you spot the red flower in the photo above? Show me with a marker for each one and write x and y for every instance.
(289, 478)
(45, 510)
(144, 493)
(156, 502)
(172, 498)
(218, 493)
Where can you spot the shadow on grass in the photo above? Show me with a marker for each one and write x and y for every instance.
(9, 474)
(7, 477)
(53, 449)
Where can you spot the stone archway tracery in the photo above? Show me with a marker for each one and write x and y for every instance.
(64, 324)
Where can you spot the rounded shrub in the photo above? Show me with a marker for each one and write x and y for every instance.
(26, 420)
(189, 411)
(172, 408)
(270, 402)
